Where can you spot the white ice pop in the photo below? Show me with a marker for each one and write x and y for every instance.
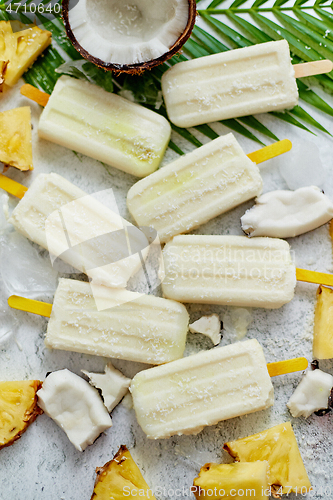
(84, 117)
(236, 83)
(184, 396)
(195, 188)
(229, 270)
(85, 233)
(131, 326)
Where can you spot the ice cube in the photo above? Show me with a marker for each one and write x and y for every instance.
(236, 322)
(4, 214)
(8, 323)
(302, 166)
(23, 270)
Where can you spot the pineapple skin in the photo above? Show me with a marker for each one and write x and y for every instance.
(279, 447)
(3, 68)
(323, 321)
(18, 409)
(117, 478)
(224, 480)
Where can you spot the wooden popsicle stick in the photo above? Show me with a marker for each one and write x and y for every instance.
(35, 94)
(268, 152)
(29, 305)
(287, 366)
(12, 187)
(313, 68)
(314, 277)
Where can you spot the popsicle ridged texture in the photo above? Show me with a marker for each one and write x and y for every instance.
(184, 396)
(195, 188)
(229, 270)
(142, 328)
(104, 126)
(60, 217)
(235, 83)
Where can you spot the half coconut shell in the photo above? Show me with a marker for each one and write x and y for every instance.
(138, 67)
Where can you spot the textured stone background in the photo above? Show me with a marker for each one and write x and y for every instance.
(44, 465)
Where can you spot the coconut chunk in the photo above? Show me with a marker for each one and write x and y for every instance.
(75, 406)
(311, 394)
(209, 326)
(285, 214)
(113, 384)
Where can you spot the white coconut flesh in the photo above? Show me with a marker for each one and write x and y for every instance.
(127, 31)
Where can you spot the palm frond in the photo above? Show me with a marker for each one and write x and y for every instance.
(310, 36)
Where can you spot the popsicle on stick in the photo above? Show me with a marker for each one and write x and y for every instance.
(81, 116)
(232, 270)
(239, 82)
(184, 396)
(131, 326)
(199, 186)
(77, 228)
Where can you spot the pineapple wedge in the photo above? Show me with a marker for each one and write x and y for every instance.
(7, 42)
(28, 45)
(21, 49)
(278, 446)
(119, 478)
(15, 138)
(7, 47)
(232, 481)
(323, 324)
(18, 409)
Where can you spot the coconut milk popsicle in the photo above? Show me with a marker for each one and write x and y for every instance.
(229, 270)
(87, 119)
(60, 217)
(236, 83)
(195, 188)
(184, 396)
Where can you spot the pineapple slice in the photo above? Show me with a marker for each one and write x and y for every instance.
(15, 138)
(119, 478)
(18, 409)
(21, 49)
(6, 49)
(323, 329)
(7, 44)
(28, 45)
(278, 446)
(232, 481)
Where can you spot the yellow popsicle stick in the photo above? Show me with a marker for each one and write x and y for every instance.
(12, 187)
(29, 305)
(35, 94)
(287, 366)
(314, 277)
(268, 152)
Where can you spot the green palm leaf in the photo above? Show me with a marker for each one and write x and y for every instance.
(310, 37)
